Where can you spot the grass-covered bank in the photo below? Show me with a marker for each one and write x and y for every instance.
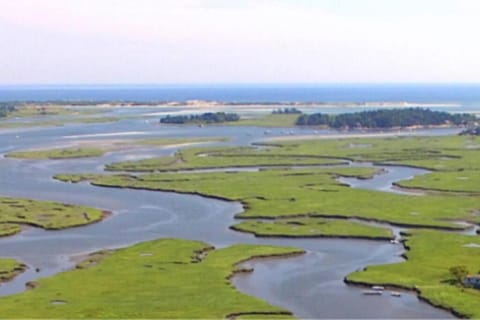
(430, 256)
(99, 148)
(448, 153)
(465, 181)
(10, 268)
(221, 157)
(64, 153)
(50, 215)
(297, 193)
(313, 228)
(28, 115)
(158, 279)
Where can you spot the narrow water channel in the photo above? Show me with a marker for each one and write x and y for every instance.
(311, 286)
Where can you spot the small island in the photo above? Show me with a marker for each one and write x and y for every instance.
(386, 118)
(205, 118)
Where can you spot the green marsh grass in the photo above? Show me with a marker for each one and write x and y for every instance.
(159, 279)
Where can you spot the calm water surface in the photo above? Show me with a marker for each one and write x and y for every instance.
(311, 285)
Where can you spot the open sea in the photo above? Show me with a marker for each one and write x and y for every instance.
(467, 95)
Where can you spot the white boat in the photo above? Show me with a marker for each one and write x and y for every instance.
(378, 288)
(395, 294)
(372, 292)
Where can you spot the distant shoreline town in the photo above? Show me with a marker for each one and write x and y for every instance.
(217, 103)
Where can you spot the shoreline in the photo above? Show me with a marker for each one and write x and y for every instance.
(245, 206)
(313, 236)
(225, 103)
(15, 272)
(414, 290)
(400, 132)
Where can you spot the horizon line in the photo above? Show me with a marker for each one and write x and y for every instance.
(230, 84)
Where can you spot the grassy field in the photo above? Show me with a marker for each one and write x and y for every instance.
(159, 279)
(64, 153)
(220, 157)
(304, 192)
(8, 229)
(451, 153)
(49, 110)
(296, 201)
(88, 152)
(177, 141)
(15, 212)
(431, 256)
(313, 227)
(450, 181)
(316, 192)
(10, 268)
(54, 115)
(441, 153)
(56, 123)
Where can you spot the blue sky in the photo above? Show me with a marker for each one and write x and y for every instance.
(249, 41)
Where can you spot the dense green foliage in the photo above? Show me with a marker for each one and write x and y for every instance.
(432, 254)
(43, 214)
(209, 117)
(286, 111)
(459, 273)
(161, 279)
(387, 118)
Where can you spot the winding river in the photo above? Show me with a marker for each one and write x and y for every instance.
(311, 286)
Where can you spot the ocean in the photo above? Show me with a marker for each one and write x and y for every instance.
(467, 95)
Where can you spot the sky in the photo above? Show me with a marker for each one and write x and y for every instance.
(238, 41)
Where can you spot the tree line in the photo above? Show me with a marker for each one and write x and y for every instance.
(5, 109)
(286, 111)
(474, 131)
(385, 118)
(209, 117)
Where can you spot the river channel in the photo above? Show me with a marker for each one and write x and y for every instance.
(311, 286)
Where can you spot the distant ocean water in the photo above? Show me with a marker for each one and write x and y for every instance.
(465, 95)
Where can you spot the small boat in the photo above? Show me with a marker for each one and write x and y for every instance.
(378, 288)
(372, 292)
(395, 294)
(395, 241)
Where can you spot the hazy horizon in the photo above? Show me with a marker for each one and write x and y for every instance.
(215, 42)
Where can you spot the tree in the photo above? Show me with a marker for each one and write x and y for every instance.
(388, 118)
(459, 273)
